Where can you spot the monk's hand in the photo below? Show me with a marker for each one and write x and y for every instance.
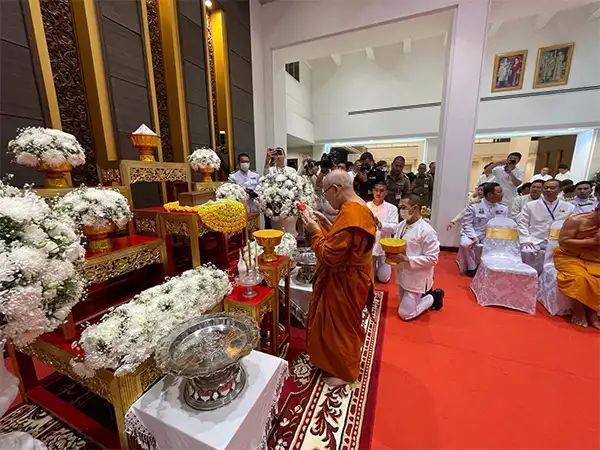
(321, 218)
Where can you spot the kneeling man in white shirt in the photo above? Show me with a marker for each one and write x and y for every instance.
(387, 217)
(414, 272)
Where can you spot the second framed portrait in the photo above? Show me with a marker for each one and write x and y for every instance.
(553, 65)
(509, 71)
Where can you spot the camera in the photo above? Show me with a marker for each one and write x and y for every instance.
(279, 151)
(364, 169)
(326, 165)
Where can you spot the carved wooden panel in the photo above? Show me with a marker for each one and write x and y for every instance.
(68, 81)
(159, 79)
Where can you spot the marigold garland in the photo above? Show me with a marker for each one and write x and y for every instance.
(224, 216)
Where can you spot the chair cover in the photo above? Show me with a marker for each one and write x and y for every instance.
(534, 257)
(549, 296)
(502, 278)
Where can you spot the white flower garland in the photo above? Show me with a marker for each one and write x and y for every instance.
(129, 334)
(280, 190)
(204, 158)
(232, 191)
(40, 266)
(53, 147)
(95, 207)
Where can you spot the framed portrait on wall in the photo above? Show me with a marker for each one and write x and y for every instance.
(553, 65)
(509, 70)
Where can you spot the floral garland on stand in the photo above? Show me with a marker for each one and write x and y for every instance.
(280, 191)
(204, 158)
(224, 216)
(35, 145)
(40, 266)
(129, 335)
(96, 207)
(232, 191)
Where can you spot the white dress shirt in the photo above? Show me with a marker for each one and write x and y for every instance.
(584, 205)
(247, 180)
(477, 217)
(564, 176)
(483, 178)
(518, 204)
(387, 214)
(539, 176)
(505, 181)
(423, 250)
(537, 217)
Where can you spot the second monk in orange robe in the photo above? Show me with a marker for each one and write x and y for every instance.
(343, 281)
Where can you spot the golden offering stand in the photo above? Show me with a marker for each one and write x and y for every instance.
(145, 143)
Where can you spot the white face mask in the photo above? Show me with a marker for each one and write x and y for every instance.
(244, 167)
(404, 214)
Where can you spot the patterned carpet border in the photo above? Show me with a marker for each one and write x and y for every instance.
(314, 415)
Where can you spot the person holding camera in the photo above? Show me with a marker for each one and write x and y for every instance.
(274, 159)
(509, 177)
(367, 177)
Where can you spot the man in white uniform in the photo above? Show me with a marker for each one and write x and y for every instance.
(247, 179)
(585, 201)
(535, 192)
(563, 173)
(537, 217)
(387, 216)
(509, 177)
(475, 221)
(544, 175)
(414, 272)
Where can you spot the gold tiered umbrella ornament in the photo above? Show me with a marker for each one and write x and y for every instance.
(145, 140)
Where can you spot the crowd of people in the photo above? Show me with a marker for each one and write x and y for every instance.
(359, 204)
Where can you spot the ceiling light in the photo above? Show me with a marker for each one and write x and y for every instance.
(208, 3)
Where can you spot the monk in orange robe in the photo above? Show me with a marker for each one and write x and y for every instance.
(343, 281)
(577, 261)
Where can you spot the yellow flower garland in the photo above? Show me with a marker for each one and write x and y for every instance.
(224, 216)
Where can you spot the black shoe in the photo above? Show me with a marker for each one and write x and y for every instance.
(471, 273)
(438, 299)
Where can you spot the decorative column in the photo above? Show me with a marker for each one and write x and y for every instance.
(459, 115)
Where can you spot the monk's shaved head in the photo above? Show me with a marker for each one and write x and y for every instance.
(339, 178)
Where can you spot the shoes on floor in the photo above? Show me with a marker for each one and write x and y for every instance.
(438, 299)
(471, 273)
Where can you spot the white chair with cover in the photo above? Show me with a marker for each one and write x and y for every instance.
(553, 300)
(502, 279)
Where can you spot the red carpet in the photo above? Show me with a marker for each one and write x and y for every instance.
(475, 377)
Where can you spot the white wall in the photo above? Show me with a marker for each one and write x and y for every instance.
(299, 104)
(393, 78)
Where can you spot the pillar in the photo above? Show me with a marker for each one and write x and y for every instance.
(459, 115)
(581, 164)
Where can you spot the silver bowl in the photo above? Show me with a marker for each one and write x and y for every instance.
(307, 263)
(206, 352)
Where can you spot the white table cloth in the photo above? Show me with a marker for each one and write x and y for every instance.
(300, 294)
(160, 419)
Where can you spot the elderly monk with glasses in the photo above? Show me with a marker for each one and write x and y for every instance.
(343, 282)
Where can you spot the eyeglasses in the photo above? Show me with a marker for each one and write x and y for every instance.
(325, 191)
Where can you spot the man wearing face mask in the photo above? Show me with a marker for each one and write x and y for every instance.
(343, 281)
(387, 216)
(475, 222)
(414, 272)
(247, 179)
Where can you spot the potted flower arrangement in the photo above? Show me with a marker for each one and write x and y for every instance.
(51, 151)
(130, 334)
(279, 193)
(206, 161)
(40, 266)
(232, 191)
(99, 211)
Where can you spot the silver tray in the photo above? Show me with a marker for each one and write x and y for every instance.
(205, 346)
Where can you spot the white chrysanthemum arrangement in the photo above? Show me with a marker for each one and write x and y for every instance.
(40, 266)
(96, 207)
(129, 335)
(204, 158)
(280, 191)
(232, 191)
(35, 145)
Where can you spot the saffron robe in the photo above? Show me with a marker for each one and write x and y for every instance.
(578, 275)
(342, 287)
